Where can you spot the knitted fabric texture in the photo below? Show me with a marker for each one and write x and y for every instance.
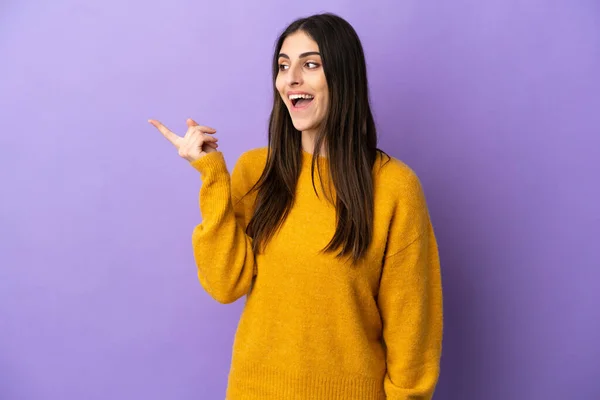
(314, 327)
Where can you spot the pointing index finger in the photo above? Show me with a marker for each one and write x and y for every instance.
(171, 137)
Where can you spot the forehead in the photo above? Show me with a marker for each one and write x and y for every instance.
(297, 43)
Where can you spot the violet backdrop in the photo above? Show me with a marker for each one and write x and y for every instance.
(494, 104)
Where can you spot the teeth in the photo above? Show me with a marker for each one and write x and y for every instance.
(300, 96)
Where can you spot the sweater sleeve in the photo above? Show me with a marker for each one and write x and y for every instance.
(222, 250)
(410, 302)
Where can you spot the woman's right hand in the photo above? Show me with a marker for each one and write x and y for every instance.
(196, 143)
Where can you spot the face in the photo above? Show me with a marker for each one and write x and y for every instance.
(301, 82)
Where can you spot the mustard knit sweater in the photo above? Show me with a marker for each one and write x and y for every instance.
(314, 328)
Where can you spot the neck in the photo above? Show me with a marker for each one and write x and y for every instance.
(308, 142)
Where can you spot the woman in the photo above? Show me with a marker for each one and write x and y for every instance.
(334, 250)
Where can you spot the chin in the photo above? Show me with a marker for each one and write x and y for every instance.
(303, 125)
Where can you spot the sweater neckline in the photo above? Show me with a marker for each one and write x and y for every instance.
(307, 159)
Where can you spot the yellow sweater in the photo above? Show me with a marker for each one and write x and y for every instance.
(313, 328)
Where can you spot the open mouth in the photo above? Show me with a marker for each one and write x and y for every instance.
(301, 101)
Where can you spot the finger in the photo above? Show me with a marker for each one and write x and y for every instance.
(206, 129)
(196, 135)
(208, 138)
(171, 137)
(198, 140)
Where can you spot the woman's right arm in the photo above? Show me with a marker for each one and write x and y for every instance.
(222, 250)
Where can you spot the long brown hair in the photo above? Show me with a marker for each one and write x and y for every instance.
(348, 134)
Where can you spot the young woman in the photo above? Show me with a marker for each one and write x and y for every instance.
(332, 245)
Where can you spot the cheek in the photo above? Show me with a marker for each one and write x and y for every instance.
(324, 94)
(279, 88)
(282, 97)
(324, 103)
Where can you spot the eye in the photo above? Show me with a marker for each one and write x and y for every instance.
(282, 67)
(312, 63)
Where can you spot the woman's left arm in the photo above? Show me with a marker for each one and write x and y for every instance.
(410, 303)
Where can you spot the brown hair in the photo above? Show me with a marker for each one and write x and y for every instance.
(348, 135)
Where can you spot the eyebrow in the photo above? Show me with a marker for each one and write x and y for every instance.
(308, 53)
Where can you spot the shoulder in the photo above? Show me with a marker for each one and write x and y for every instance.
(397, 178)
(253, 157)
(400, 198)
(251, 163)
(399, 194)
(248, 169)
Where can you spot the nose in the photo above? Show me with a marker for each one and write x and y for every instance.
(294, 76)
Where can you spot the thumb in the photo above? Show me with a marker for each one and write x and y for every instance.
(206, 129)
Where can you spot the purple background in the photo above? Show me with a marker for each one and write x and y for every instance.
(495, 105)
